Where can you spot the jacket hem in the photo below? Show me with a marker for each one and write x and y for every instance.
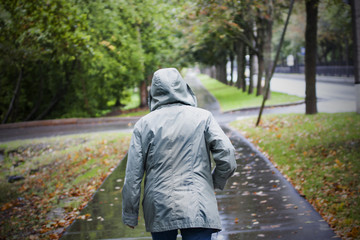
(174, 226)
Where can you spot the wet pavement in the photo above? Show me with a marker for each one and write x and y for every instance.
(103, 213)
(38, 129)
(257, 203)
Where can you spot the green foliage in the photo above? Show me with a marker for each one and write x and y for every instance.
(216, 26)
(334, 32)
(71, 57)
(40, 42)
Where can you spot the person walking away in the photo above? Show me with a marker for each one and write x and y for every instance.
(173, 146)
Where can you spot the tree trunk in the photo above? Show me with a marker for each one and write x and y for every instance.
(244, 69)
(272, 69)
(267, 45)
(220, 70)
(143, 94)
(223, 75)
(117, 102)
(240, 49)
(251, 73)
(252, 57)
(62, 90)
(50, 107)
(16, 91)
(355, 10)
(38, 101)
(86, 100)
(260, 75)
(310, 55)
(260, 57)
(231, 69)
(213, 72)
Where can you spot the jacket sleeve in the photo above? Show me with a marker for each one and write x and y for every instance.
(222, 151)
(133, 178)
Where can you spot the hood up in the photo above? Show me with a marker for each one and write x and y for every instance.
(169, 87)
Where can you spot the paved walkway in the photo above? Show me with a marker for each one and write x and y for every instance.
(257, 203)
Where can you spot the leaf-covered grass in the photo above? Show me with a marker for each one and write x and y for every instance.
(320, 155)
(231, 98)
(61, 175)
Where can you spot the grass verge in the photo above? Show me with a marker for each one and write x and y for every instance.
(231, 98)
(61, 174)
(135, 112)
(319, 154)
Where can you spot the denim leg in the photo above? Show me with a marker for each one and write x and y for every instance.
(167, 235)
(197, 233)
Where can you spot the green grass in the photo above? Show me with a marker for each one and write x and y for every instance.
(135, 113)
(60, 172)
(320, 155)
(130, 99)
(231, 98)
(133, 101)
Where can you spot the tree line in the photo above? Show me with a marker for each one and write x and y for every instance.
(79, 58)
(230, 31)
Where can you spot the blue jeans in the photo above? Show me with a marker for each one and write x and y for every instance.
(187, 234)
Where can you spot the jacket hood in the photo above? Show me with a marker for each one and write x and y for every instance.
(169, 87)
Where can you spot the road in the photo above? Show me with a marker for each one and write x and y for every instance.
(62, 127)
(335, 94)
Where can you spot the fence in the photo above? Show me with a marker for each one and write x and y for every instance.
(320, 70)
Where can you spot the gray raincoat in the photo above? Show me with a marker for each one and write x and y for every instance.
(171, 145)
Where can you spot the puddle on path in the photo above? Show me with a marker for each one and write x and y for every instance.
(105, 220)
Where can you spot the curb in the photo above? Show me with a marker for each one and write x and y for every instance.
(67, 121)
(270, 106)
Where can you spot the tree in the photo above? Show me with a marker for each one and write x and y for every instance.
(334, 33)
(159, 39)
(266, 25)
(35, 34)
(267, 86)
(246, 24)
(78, 58)
(212, 44)
(310, 55)
(355, 9)
(334, 38)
